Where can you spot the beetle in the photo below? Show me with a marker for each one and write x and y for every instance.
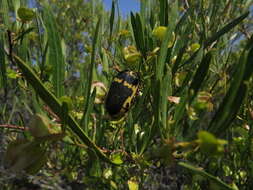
(121, 94)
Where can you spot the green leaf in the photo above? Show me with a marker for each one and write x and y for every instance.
(225, 29)
(181, 22)
(68, 102)
(112, 17)
(86, 117)
(56, 107)
(164, 47)
(3, 63)
(175, 66)
(25, 155)
(94, 166)
(235, 95)
(207, 142)
(55, 57)
(12, 74)
(184, 90)
(27, 31)
(26, 14)
(117, 158)
(4, 13)
(91, 67)
(163, 14)
(164, 93)
(39, 126)
(179, 114)
(136, 23)
(208, 176)
(200, 74)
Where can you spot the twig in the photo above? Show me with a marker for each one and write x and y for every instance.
(9, 126)
(56, 118)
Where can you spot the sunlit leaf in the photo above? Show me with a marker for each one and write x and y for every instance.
(132, 185)
(117, 158)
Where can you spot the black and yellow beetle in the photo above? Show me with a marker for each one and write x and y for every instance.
(121, 94)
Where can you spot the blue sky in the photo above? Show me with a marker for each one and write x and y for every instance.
(125, 6)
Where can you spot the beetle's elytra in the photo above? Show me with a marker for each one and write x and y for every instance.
(122, 91)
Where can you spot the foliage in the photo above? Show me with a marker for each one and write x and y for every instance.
(194, 108)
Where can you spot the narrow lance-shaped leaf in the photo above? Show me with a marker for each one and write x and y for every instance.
(163, 12)
(27, 31)
(182, 20)
(179, 114)
(178, 60)
(200, 74)
(138, 32)
(201, 172)
(217, 35)
(4, 15)
(86, 117)
(112, 18)
(55, 56)
(225, 29)
(90, 72)
(167, 38)
(185, 97)
(165, 92)
(4, 12)
(2, 63)
(235, 95)
(56, 106)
